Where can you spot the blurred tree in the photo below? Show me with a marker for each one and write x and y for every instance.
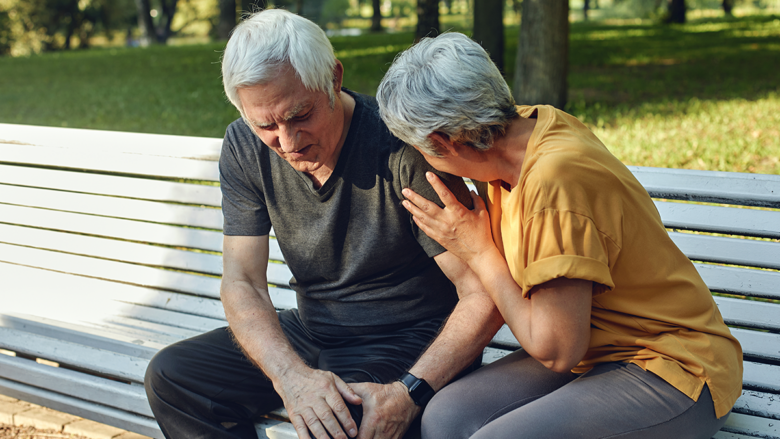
(542, 53)
(28, 26)
(427, 19)
(227, 18)
(376, 18)
(728, 6)
(155, 28)
(489, 28)
(676, 11)
(145, 23)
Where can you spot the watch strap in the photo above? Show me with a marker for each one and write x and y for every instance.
(419, 390)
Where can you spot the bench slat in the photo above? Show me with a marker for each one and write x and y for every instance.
(744, 189)
(112, 227)
(741, 281)
(108, 363)
(752, 425)
(717, 219)
(146, 327)
(278, 274)
(47, 286)
(758, 404)
(747, 252)
(111, 270)
(115, 207)
(757, 344)
(102, 338)
(112, 249)
(727, 435)
(139, 188)
(760, 376)
(749, 313)
(85, 409)
(107, 162)
(80, 385)
(87, 140)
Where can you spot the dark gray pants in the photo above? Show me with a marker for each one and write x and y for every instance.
(517, 397)
(197, 386)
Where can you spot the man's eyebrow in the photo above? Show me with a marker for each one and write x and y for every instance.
(294, 111)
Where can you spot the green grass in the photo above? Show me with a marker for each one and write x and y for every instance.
(705, 95)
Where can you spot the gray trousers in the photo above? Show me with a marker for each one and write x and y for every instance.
(517, 397)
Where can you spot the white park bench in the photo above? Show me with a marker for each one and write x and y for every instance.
(110, 250)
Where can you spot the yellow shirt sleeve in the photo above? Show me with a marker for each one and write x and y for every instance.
(560, 243)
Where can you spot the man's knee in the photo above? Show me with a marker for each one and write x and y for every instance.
(165, 371)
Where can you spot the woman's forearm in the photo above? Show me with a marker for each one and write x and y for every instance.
(552, 324)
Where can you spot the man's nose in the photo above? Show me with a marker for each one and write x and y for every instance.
(288, 138)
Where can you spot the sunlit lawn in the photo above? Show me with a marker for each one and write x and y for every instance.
(705, 95)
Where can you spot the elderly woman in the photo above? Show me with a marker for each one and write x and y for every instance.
(620, 336)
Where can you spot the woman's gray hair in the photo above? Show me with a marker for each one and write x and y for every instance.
(448, 85)
(270, 40)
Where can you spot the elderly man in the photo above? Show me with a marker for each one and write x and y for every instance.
(369, 338)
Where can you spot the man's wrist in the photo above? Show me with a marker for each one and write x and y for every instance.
(419, 390)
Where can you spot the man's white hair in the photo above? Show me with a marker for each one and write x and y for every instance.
(448, 85)
(266, 42)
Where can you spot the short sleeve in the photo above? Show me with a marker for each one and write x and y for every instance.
(564, 244)
(412, 172)
(243, 206)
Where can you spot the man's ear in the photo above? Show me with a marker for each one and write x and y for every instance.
(443, 143)
(338, 76)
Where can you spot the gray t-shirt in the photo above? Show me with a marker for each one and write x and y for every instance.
(360, 265)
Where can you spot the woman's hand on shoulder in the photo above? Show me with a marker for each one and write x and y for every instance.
(465, 233)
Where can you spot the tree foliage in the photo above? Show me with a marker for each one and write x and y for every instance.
(32, 26)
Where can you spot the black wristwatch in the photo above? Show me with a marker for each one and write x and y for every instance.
(420, 391)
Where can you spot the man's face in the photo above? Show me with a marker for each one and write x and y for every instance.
(298, 124)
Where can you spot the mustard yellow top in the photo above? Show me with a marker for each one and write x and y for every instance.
(579, 213)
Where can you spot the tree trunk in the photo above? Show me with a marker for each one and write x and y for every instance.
(168, 11)
(676, 11)
(227, 18)
(145, 23)
(585, 7)
(543, 53)
(427, 19)
(489, 28)
(728, 6)
(376, 19)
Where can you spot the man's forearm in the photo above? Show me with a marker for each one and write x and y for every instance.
(470, 327)
(255, 325)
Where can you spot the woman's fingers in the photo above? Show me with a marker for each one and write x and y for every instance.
(419, 206)
(441, 189)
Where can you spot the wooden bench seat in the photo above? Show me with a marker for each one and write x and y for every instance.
(110, 249)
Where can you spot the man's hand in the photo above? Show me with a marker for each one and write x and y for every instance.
(314, 400)
(387, 410)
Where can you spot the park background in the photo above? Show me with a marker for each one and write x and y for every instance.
(701, 91)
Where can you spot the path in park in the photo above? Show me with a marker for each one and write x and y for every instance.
(22, 420)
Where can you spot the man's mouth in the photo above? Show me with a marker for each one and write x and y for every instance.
(297, 155)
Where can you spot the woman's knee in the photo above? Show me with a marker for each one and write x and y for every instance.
(448, 415)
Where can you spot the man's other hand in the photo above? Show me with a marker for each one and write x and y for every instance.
(314, 400)
(388, 410)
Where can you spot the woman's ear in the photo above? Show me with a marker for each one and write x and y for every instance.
(444, 144)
